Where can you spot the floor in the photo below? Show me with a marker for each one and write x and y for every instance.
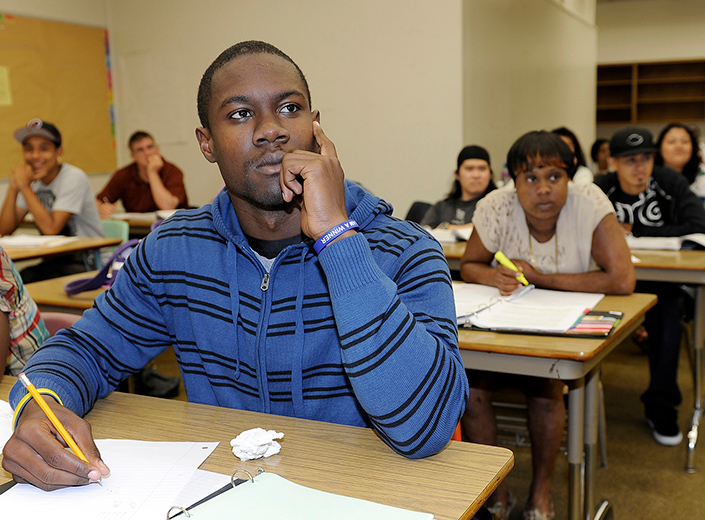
(642, 479)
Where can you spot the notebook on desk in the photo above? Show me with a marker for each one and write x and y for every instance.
(533, 311)
(268, 495)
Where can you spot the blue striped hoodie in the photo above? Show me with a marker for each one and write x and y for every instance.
(363, 334)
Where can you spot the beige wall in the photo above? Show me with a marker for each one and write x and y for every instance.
(649, 30)
(385, 76)
(402, 85)
(528, 65)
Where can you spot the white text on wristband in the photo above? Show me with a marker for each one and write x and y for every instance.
(338, 230)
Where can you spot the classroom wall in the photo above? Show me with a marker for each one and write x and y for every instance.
(528, 65)
(82, 12)
(649, 30)
(386, 77)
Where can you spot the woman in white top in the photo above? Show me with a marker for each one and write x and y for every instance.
(562, 236)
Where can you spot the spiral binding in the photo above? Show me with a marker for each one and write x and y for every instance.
(233, 483)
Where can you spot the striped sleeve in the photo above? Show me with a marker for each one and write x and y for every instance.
(399, 337)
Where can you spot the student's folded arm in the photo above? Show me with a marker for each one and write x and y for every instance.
(399, 340)
(11, 214)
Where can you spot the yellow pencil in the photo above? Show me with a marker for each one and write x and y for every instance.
(52, 417)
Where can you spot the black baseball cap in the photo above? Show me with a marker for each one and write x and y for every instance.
(39, 128)
(473, 152)
(632, 140)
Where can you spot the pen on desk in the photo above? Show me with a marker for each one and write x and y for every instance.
(506, 262)
(52, 417)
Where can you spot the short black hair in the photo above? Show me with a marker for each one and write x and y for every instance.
(539, 148)
(225, 57)
(138, 136)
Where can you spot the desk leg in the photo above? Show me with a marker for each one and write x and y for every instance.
(698, 332)
(592, 402)
(576, 411)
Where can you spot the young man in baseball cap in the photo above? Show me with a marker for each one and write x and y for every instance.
(654, 201)
(58, 195)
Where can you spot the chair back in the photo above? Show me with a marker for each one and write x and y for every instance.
(55, 321)
(116, 229)
(417, 211)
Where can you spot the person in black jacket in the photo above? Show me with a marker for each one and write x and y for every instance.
(654, 201)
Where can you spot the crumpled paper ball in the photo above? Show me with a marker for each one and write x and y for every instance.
(256, 443)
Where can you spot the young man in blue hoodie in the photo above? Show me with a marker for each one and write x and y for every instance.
(294, 293)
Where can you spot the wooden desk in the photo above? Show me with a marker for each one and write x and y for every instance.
(80, 245)
(683, 267)
(574, 360)
(453, 252)
(50, 294)
(330, 457)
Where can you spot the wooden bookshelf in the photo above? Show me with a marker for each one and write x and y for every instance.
(651, 92)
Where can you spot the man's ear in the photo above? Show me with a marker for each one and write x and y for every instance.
(205, 143)
(316, 114)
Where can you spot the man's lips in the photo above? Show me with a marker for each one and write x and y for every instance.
(270, 163)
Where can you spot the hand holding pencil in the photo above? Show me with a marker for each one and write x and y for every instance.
(43, 430)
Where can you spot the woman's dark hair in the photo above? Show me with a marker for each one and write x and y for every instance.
(540, 148)
(596, 148)
(691, 168)
(579, 155)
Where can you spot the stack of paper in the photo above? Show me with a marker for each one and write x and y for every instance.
(35, 240)
(697, 240)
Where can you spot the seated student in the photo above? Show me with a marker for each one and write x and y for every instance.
(147, 184)
(583, 174)
(600, 155)
(561, 235)
(473, 180)
(293, 293)
(678, 148)
(22, 329)
(655, 201)
(57, 194)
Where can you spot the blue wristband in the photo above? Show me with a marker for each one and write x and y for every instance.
(338, 230)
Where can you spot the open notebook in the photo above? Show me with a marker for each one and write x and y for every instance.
(532, 310)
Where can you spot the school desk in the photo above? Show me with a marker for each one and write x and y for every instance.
(682, 267)
(49, 294)
(574, 360)
(453, 252)
(79, 245)
(331, 457)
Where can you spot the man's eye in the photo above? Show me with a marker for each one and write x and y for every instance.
(240, 114)
(290, 108)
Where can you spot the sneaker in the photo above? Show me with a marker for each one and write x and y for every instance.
(535, 514)
(500, 512)
(666, 432)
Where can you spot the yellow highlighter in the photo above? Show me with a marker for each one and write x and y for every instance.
(506, 262)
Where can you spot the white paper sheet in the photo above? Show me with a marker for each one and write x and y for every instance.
(5, 423)
(145, 480)
(35, 240)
